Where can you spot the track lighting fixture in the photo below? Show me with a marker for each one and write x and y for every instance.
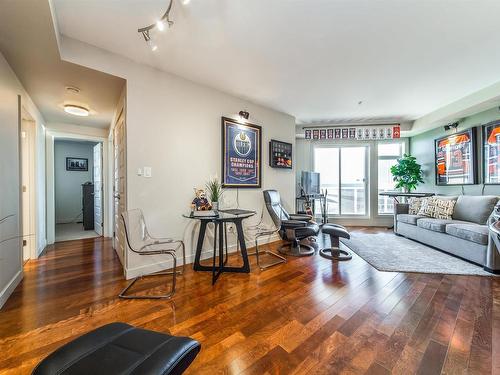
(244, 115)
(163, 23)
(451, 126)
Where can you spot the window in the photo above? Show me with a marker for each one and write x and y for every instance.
(388, 154)
(344, 178)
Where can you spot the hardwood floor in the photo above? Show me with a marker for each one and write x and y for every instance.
(307, 316)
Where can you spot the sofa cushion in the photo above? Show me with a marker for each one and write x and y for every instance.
(475, 209)
(436, 225)
(470, 232)
(409, 219)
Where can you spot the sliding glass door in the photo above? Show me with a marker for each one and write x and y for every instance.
(343, 172)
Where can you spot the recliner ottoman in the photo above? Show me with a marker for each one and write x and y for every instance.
(119, 348)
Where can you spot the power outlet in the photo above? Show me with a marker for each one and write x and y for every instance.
(231, 229)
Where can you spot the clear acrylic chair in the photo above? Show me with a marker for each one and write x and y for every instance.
(141, 242)
(262, 230)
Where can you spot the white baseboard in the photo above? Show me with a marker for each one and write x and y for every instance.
(146, 269)
(7, 291)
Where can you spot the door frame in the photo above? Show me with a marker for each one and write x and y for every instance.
(50, 137)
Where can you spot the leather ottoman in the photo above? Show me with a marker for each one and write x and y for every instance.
(119, 348)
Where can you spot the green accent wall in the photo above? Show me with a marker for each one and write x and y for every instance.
(422, 147)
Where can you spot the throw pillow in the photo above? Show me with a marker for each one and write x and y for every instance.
(427, 207)
(414, 205)
(443, 208)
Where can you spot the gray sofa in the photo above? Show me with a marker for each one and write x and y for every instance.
(466, 235)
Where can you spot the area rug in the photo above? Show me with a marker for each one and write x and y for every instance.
(388, 252)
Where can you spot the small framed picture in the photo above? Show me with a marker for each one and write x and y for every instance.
(77, 164)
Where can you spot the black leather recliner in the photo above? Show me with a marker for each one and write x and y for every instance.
(292, 227)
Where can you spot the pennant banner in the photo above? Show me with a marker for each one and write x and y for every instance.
(356, 133)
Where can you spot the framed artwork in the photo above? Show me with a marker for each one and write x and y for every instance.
(455, 159)
(280, 154)
(77, 164)
(491, 153)
(241, 154)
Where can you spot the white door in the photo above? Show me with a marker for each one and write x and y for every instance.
(119, 187)
(27, 187)
(98, 188)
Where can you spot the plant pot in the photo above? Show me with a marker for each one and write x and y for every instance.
(215, 206)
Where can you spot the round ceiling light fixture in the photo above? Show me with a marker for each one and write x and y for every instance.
(76, 110)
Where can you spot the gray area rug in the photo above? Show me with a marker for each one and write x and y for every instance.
(388, 252)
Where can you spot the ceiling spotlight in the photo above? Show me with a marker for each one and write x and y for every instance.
(244, 115)
(160, 25)
(76, 110)
(186, 2)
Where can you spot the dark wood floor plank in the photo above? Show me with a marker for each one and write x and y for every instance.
(433, 359)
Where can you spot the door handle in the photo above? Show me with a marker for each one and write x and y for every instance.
(117, 196)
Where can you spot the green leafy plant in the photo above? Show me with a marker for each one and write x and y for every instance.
(407, 173)
(214, 189)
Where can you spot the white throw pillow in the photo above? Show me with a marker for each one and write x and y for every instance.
(414, 205)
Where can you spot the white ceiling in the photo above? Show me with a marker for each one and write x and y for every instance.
(28, 42)
(314, 59)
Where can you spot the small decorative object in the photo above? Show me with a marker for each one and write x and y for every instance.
(215, 191)
(77, 164)
(456, 159)
(241, 154)
(491, 153)
(280, 154)
(200, 202)
(407, 173)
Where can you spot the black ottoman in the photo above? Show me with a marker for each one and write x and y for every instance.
(335, 232)
(119, 348)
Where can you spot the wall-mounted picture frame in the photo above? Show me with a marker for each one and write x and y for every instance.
(77, 164)
(456, 159)
(491, 153)
(280, 154)
(241, 154)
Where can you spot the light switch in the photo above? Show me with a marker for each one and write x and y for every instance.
(147, 172)
(139, 171)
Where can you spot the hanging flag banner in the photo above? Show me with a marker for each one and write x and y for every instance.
(361, 133)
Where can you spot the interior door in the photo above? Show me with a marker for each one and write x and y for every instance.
(119, 186)
(98, 188)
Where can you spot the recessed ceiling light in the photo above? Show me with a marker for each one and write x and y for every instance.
(76, 110)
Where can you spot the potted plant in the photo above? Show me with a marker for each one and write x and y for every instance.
(215, 191)
(407, 173)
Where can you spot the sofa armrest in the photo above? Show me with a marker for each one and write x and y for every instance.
(401, 208)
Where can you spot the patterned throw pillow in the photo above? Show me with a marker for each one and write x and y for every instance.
(437, 208)
(427, 207)
(443, 208)
(414, 205)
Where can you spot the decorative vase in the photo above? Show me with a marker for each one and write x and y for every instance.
(215, 206)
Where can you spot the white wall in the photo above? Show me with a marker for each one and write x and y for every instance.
(68, 184)
(10, 241)
(173, 126)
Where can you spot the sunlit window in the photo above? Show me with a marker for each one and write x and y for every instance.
(388, 154)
